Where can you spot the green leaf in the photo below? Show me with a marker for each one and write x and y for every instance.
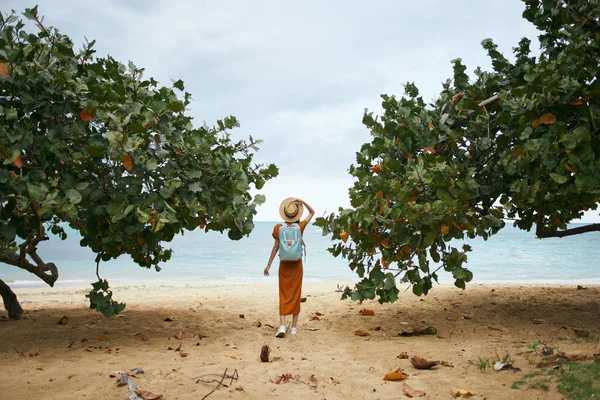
(195, 187)
(94, 151)
(73, 196)
(558, 178)
(260, 199)
(151, 165)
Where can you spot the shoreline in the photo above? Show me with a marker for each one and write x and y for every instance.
(78, 284)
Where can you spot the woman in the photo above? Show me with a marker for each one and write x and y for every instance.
(290, 272)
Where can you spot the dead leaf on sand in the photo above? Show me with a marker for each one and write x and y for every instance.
(168, 319)
(361, 333)
(416, 331)
(103, 338)
(493, 328)
(315, 316)
(421, 363)
(396, 375)
(63, 320)
(403, 355)
(242, 316)
(182, 354)
(285, 378)
(462, 393)
(233, 355)
(366, 312)
(539, 321)
(410, 392)
(180, 335)
(312, 382)
(146, 395)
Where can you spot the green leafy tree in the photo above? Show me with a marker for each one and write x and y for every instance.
(521, 141)
(92, 144)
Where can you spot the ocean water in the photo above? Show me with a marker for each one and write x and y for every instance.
(512, 257)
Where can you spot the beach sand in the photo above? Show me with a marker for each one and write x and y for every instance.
(223, 327)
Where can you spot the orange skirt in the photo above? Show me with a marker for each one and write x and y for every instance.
(290, 286)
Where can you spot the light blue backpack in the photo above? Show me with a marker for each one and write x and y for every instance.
(290, 242)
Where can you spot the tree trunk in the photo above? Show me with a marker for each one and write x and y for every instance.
(10, 301)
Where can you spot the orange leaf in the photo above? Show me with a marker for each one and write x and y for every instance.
(457, 226)
(344, 235)
(233, 355)
(176, 150)
(385, 263)
(518, 153)
(366, 312)
(430, 126)
(14, 174)
(581, 101)
(201, 225)
(4, 70)
(535, 123)
(548, 119)
(397, 140)
(361, 333)
(568, 167)
(140, 240)
(444, 229)
(376, 169)
(410, 392)
(18, 161)
(429, 149)
(413, 198)
(127, 162)
(87, 114)
(458, 96)
(157, 139)
(103, 338)
(396, 375)
(380, 195)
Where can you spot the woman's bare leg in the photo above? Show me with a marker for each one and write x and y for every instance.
(282, 320)
(295, 320)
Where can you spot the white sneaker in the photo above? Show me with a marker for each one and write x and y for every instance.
(280, 332)
(293, 331)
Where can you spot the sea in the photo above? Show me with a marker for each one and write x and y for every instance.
(512, 256)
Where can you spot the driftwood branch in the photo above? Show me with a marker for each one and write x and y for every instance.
(220, 383)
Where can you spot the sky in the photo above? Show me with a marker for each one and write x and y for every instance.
(297, 75)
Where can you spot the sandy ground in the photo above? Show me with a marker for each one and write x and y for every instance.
(223, 327)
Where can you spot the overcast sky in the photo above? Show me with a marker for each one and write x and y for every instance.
(296, 74)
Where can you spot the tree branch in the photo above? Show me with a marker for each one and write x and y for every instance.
(541, 233)
(40, 270)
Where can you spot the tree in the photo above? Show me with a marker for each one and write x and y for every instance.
(521, 142)
(92, 144)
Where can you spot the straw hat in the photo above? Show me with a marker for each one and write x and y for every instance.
(291, 211)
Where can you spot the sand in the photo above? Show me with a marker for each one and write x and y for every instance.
(223, 327)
